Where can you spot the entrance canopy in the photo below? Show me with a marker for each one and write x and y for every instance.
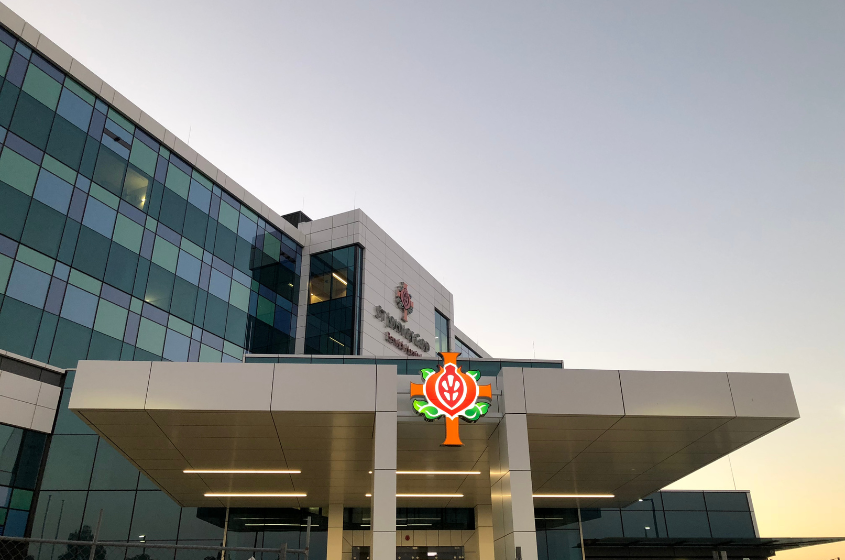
(623, 434)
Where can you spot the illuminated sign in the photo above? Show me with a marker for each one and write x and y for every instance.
(451, 393)
(404, 332)
(404, 301)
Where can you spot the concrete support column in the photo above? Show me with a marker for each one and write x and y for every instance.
(383, 508)
(510, 474)
(334, 547)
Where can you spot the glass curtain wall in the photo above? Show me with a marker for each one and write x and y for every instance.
(441, 332)
(676, 515)
(466, 351)
(334, 302)
(20, 460)
(112, 247)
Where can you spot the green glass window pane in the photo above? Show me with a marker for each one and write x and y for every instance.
(66, 143)
(250, 215)
(17, 171)
(136, 305)
(236, 322)
(128, 233)
(201, 179)
(184, 300)
(18, 326)
(143, 157)
(239, 296)
(35, 259)
(159, 287)
(215, 316)
(110, 170)
(85, 282)
(165, 254)
(21, 499)
(69, 462)
(3, 511)
(233, 350)
(42, 87)
(191, 248)
(266, 310)
(136, 188)
(79, 90)
(92, 253)
(228, 217)
(124, 123)
(120, 270)
(208, 354)
(44, 342)
(224, 244)
(172, 211)
(272, 247)
(111, 319)
(104, 347)
(5, 270)
(32, 121)
(70, 345)
(178, 181)
(43, 229)
(112, 471)
(59, 169)
(104, 196)
(5, 57)
(151, 336)
(13, 211)
(151, 224)
(194, 228)
(179, 325)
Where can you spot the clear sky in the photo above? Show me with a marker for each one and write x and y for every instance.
(652, 185)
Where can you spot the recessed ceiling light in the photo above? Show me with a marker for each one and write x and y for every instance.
(226, 471)
(574, 496)
(423, 495)
(439, 472)
(268, 495)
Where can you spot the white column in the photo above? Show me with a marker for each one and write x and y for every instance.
(484, 531)
(383, 508)
(334, 547)
(510, 474)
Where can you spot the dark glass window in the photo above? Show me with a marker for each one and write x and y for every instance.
(441, 332)
(334, 302)
(464, 349)
(687, 524)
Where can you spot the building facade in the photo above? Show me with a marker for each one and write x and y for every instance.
(124, 253)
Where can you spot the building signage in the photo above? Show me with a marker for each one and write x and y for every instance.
(451, 393)
(404, 332)
(404, 301)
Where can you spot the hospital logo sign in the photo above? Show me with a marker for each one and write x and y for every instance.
(451, 393)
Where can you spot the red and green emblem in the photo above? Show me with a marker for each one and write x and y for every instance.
(451, 393)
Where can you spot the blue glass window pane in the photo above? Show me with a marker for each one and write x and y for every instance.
(15, 523)
(219, 285)
(99, 217)
(53, 192)
(176, 346)
(199, 196)
(247, 228)
(188, 268)
(75, 109)
(79, 306)
(28, 285)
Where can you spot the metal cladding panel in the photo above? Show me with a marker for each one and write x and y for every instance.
(324, 387)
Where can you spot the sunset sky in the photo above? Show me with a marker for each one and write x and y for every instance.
(638, 185)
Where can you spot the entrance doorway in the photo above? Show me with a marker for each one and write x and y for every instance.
(415, 553)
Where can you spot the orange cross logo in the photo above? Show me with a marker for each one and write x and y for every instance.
(451, 393)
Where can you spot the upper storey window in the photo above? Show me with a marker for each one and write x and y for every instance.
(441, 332)
(334, 302)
